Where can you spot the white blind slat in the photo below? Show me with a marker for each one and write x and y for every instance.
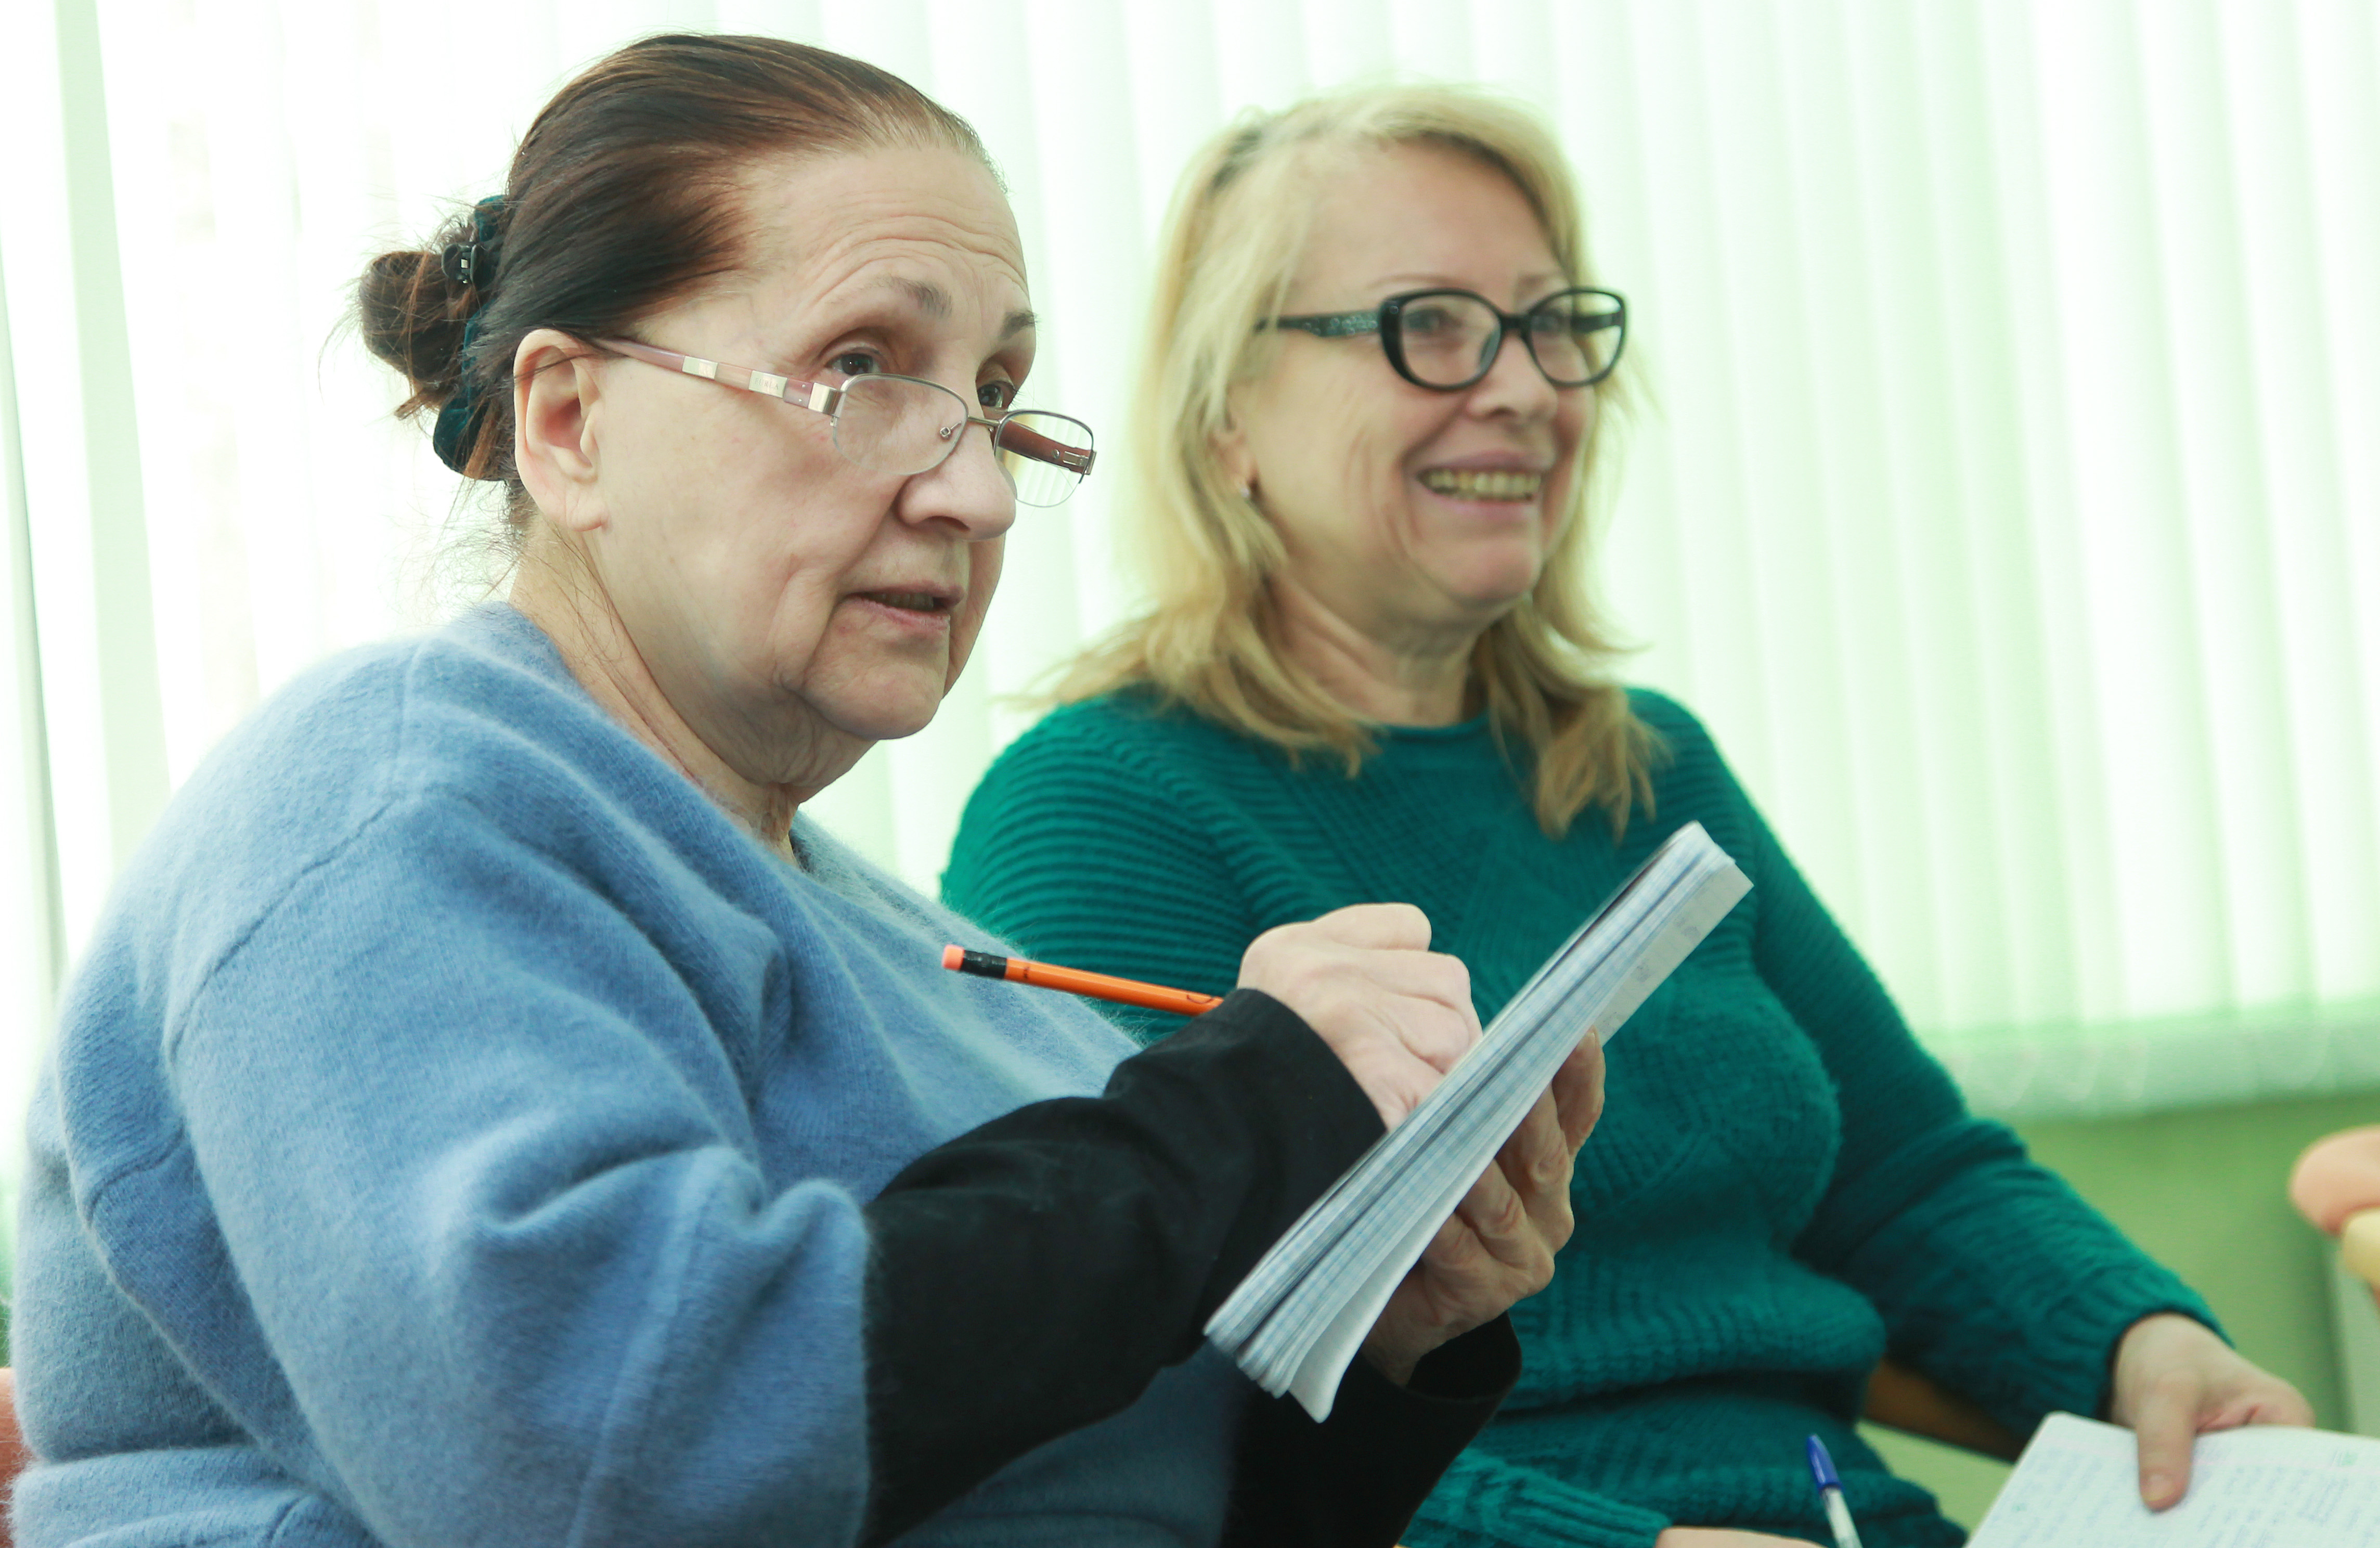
(2001, 484)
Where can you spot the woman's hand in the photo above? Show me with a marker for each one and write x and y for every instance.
(2174, 1382)
(1722, 1537)
(1397, 1014)
(1499, 1246)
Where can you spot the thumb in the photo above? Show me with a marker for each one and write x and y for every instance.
(2166, 1429)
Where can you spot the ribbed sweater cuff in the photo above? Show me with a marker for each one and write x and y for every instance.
(2073, 1355)
(1585, 1521)
(1487, 1504)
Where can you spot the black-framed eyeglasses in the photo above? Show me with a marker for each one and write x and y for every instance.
(1445, 340)
(906, 425)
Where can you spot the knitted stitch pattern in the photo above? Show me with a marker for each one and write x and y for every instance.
(1783, 1185)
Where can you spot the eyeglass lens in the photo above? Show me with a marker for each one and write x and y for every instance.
(900, 425)
(1045, 455)
(1449, 337)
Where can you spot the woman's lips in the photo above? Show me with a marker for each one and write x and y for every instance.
(1512, 485)
(911, 602)
(920, 612)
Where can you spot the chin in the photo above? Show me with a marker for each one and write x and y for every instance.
(894, 711)
(1490, 566)
(882, 723)
(1495, 593)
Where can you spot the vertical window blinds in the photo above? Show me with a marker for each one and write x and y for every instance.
(2001, 479)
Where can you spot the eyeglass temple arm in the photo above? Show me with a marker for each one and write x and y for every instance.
(1327, 324)
(808, 395)
(1039, 447)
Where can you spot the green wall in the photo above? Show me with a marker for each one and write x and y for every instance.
(2202, 1190)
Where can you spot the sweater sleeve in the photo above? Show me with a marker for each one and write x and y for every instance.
(1032, 1276)
(484, 1181)
(1355, 1479)
(1991, 1275)
(1099, 854)
(1487, 1503)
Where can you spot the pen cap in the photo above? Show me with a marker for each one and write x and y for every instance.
(1822, 1467)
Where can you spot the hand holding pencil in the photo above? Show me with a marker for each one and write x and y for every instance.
(1399, 1016)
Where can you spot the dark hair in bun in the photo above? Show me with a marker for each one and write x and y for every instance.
(622, 198)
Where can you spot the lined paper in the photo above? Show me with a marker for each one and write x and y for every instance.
(2077, 1486)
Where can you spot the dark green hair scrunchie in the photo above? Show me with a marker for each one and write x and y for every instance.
(472, 263)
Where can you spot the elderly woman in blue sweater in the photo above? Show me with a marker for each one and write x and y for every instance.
(489, 1114)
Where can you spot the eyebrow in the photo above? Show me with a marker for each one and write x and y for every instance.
(931, 299)
(935, 302)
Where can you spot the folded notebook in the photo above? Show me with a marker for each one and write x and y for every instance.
(1297, 1320)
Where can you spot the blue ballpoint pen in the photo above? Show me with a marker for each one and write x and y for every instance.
(1830, 1494)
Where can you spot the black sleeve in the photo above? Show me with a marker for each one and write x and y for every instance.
(1355, 1479)
(1033, 1275)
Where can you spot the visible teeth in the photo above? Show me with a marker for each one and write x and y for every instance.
(1483, 483)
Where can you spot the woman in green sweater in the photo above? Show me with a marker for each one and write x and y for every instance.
(1369, 673)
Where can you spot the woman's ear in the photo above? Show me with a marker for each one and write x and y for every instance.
(556, 394)
(1239, 463)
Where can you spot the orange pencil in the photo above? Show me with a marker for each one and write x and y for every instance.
(1073, 980)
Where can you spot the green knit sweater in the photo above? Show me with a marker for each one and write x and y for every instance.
(1783, 1185)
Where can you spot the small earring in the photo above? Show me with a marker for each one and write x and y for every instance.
(1248, 491)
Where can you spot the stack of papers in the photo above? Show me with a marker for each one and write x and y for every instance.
(1297, 1320)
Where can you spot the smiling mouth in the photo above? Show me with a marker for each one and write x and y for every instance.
(910, 602)
(1483, 483)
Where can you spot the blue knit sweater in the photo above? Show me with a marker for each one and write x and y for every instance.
(457, 1134)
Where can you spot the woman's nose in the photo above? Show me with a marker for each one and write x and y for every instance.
(1513, 383)
(967, 489)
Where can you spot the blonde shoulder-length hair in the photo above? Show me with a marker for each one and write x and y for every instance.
(1210, 642)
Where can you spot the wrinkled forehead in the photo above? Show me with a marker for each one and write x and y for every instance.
(928, 222)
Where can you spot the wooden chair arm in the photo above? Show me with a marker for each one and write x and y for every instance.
(1901, 1398)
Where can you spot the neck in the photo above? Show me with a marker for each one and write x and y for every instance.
(554, 590)
(1416, 676)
